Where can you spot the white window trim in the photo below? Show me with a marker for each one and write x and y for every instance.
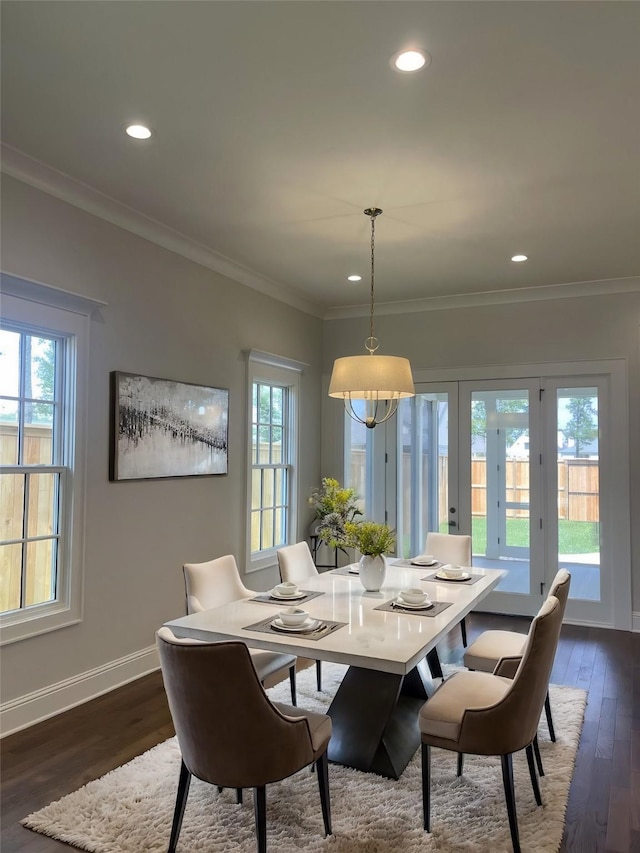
(35, 306)
(266, 367)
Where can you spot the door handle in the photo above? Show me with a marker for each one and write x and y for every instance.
(452, 523)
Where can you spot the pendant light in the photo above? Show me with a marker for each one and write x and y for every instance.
(380, 380)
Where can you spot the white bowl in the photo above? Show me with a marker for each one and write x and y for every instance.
(413, 596)
(452, 571)
(287, 588)
(293, 617)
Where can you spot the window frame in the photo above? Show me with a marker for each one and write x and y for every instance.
(268, 369)
(38, 309)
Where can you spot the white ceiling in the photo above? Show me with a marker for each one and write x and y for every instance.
(276, 123)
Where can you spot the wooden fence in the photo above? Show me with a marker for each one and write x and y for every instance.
(38, 443)
(578, 486)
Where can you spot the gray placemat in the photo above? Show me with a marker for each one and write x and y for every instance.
(438, 607)
(265, 627)
(265, 598)
(344, 570)
(407, 564)
(468, 581)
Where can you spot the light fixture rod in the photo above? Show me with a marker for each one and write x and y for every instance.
(371, 343)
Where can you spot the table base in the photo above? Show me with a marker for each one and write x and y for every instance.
(375, 719)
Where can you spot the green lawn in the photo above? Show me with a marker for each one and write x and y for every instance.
(574, 537)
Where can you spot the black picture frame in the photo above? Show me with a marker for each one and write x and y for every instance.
(163, 429)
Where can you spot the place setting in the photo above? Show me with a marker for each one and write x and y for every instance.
(416, 601)
(286, 591)
(452, 574)
(297, 621)
(421, 561)
(352, 570)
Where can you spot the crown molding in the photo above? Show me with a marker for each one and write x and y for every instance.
(491, 297)
(30, 171)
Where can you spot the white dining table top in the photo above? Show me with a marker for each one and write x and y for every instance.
(374, 639)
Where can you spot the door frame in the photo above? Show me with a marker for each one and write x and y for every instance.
(614, 422)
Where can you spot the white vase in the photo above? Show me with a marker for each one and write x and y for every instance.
(372, 571)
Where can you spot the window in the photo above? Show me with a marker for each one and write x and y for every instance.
(272, 454)
(42, 416)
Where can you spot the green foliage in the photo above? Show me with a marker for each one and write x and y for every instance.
(370, 537)
(574, 537)
(581, 426)
(335, 506)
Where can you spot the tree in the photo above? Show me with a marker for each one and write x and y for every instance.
(582, 425)
(44, 364)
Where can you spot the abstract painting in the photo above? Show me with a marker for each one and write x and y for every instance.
(163, 428)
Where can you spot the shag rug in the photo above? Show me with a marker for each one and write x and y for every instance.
(130, 809)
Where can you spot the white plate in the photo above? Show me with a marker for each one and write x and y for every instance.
(426, 605)
(308, 625)
(295, 597)
(418, 562)
(463, 577)
(354, 571)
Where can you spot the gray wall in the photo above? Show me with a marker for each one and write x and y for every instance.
(170, 318)
(553, 330)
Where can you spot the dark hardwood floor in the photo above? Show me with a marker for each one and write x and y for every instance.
(59, 755)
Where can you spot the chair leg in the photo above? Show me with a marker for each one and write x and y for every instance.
(239, 796)
(426, 786)
(322, 770)
(509, 794)
(292, 681)
(460, 763)
(463, 629)
(536, 750)
(533, 775)
(319, 674)
(434, 664)
(260, 808)
(181, 801)
(547, 710)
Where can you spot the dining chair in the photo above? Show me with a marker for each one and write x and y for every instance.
(486, 651)
(454, 549)
(482, 713)
(296, 565)
(218, 582)
(230, 734)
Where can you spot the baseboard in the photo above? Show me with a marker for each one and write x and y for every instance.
(635, 622)
(41, 704)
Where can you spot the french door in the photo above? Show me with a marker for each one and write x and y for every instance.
(526, 465)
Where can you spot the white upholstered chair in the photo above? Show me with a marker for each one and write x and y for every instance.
(230, 733)
(481, 713)
(218, 582)
(296, 565)
(491, 646)
(454, 549)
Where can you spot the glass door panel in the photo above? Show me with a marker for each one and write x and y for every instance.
(578, 488)
(500, 482)
(426, 474)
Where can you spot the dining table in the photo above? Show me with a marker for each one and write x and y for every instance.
(384, 644)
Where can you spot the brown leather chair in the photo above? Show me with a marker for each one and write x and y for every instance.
(490, 647)
(218, 582)
(296, 565)
(481, 713)
(230, 733)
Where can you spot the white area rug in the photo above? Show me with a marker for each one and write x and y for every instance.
(130, 809)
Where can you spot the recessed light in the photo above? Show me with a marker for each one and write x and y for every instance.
(354, 278)
(138, 131)
(518, 259)
(410, 60)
